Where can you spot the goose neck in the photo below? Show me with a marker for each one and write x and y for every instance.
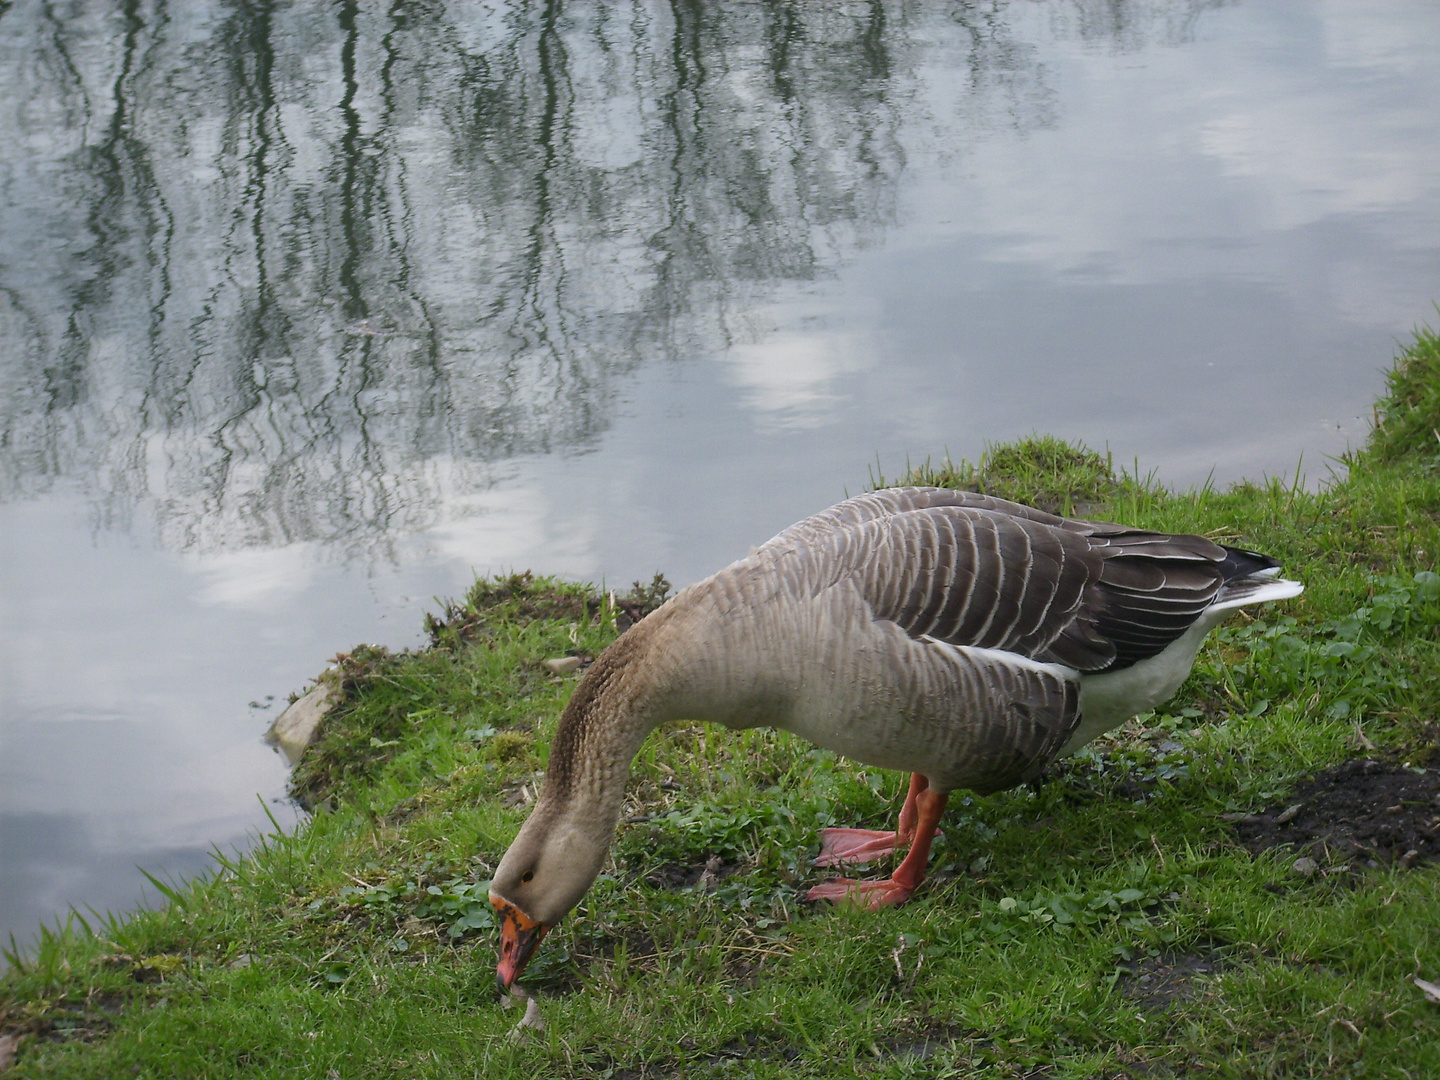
(619, 701)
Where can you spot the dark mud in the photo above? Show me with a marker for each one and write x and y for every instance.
(1365, 813)
(700, 876)
(933, 1041)
(67, 1021)
(750, 1047)
(1158, 982)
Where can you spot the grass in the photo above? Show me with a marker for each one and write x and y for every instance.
(1041, 470)
(1405, 421)
(360, 945)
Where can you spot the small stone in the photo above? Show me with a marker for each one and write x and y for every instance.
(1429, 989)
(564, 665)
(532, 1017)
(8, 1045)
(710, 875)
(1305, 866)
(299, 725)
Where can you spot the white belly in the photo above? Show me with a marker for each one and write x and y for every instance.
(1109, 699)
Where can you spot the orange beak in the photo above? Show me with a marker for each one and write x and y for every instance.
(519, 934)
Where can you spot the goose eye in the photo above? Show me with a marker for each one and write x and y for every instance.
(527, 876)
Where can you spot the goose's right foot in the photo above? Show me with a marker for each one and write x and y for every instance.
(866, 894)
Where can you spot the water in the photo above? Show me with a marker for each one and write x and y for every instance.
(308, 313)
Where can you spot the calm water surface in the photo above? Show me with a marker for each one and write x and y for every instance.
(307, 313)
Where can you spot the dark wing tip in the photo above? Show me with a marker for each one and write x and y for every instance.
(1240, 562)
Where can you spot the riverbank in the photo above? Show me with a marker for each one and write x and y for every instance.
(1156, 906)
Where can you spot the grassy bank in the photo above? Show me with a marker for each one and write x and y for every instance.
(1153, 907)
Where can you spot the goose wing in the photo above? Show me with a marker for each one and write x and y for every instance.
(974, 570)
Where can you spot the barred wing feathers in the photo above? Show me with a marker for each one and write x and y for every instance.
(973, 570)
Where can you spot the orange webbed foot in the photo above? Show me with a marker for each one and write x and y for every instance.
(927, 807)
(867, 894)
(855, 847)
(852, 847)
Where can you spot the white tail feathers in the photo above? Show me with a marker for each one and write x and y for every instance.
(1255, 589)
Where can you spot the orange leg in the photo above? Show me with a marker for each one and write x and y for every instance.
(840, 847)
(929, 805)
(908, 814)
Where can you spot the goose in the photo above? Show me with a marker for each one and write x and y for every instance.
(959, 637)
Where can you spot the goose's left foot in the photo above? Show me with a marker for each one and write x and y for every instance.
(853, 847)
(928, 805)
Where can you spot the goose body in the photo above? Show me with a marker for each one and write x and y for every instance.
(961, 638)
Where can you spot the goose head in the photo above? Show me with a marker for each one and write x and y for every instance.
(559, 851)
(551, 864)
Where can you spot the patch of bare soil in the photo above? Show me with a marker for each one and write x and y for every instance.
(1368, 813)
(559, 974)
(1157, 982)
(749, 1047)
(63, 1021)
(927, 1042)
(701, 876)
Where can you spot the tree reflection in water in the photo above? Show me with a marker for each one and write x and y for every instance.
(301, 273)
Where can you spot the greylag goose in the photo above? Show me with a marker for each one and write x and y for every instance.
(960, 638)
